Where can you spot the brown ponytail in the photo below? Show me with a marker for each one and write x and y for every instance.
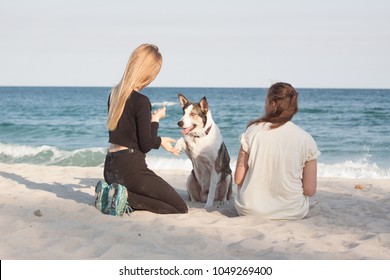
(281, 105)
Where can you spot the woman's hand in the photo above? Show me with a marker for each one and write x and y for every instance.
(166, 143)
(159, 114)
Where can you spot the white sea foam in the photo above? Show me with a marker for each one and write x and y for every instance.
(353, 170)
(164, 103)
(162, 163)
(49, 155)
(22, 151)
(348, 169)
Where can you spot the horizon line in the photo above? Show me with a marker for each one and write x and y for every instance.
(219, 87)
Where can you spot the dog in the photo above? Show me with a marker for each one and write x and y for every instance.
(211, 177)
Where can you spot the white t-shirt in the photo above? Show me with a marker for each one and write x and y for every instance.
(273, 187)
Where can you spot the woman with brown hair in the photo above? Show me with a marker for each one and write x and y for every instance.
(133, 131)
(276, 168)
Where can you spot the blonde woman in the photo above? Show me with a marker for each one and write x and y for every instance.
(133, 131)
(276, 168)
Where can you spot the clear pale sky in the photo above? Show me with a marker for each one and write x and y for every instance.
(204, 43)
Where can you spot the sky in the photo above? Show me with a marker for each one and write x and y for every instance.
(204, 43)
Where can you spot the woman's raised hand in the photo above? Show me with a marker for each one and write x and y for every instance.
(159, 114)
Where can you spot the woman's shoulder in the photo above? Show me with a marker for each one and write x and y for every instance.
(138, 98)
(297, 130)
(258, 127)
(292, 126)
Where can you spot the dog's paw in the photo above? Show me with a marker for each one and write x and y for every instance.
(179, 144)
(223, 202)
(208, 205)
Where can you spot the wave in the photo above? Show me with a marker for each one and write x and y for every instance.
(164, 103)
(49, 155)
(349, 169)
(353, 169)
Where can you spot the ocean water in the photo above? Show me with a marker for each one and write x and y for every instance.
(66, 125)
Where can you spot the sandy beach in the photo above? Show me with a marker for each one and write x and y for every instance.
(46, 212)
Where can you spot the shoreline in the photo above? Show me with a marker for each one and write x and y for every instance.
(344, 222)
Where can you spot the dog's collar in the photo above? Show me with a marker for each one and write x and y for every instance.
(204, 134)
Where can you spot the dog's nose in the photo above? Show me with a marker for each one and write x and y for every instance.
(180, 123)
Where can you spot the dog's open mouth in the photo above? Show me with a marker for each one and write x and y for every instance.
(187, 130)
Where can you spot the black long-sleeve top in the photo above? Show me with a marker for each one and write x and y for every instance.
(135, 129)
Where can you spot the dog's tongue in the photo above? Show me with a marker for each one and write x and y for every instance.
(185, 131)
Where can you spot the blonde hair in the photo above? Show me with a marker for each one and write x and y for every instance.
(142, 68)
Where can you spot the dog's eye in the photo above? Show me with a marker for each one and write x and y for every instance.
(192, 114)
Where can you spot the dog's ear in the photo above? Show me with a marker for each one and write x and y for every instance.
(204, 106)
(183, 100)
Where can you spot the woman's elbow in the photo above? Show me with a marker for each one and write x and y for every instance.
(310, 190)
(145, 149)
(239, 176)
(309, 178)
(238, 182)
(309, 193)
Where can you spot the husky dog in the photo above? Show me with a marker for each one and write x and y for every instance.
(211, 177)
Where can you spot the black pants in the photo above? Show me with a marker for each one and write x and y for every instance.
(146, 190)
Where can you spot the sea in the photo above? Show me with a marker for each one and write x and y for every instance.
(65, 126)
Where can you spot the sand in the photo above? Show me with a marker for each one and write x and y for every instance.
(47, 213)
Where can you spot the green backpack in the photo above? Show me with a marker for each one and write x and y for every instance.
(111, 199)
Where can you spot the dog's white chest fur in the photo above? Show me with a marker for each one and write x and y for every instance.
(203, 146)
(202, 142)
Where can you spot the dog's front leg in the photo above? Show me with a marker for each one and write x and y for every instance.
(214, 178)
(180, 144)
